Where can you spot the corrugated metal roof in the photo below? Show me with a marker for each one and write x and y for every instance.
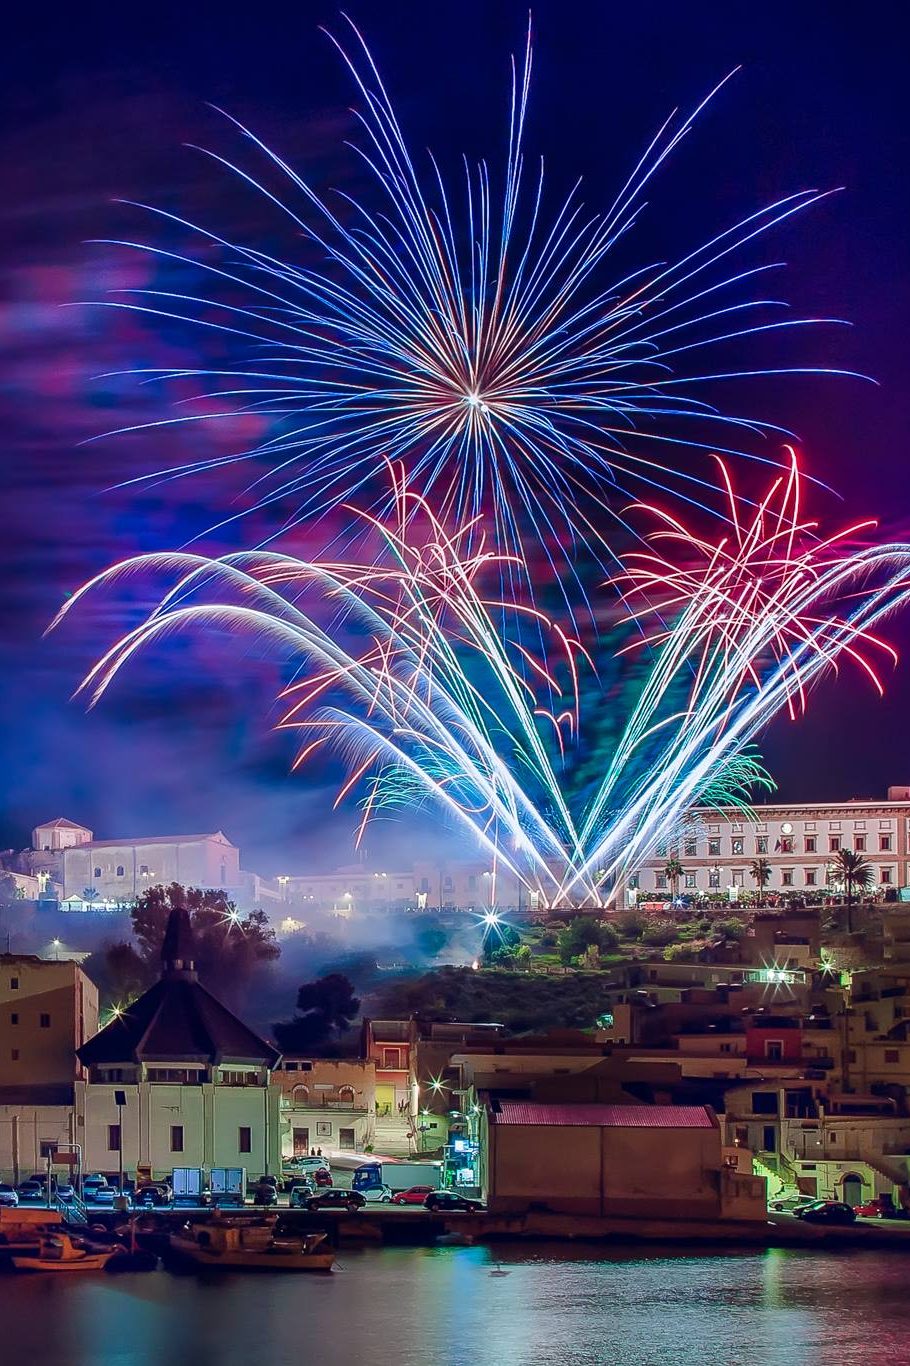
(605, 1116)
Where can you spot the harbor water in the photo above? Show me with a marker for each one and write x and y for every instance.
(420, 1307)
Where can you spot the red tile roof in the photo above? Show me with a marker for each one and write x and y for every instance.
(605, 1116)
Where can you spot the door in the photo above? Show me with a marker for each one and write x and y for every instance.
(385, 1099)
(853, 1189)
(301, 1142)
(346, 1139)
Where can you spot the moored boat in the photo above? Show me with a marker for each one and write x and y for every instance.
(58, 1251)
(251, 1245)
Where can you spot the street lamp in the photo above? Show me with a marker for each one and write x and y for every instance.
(120, 1102)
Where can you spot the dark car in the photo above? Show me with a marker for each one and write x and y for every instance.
(152, 1195)
(336, 1198)
(65, 1192)
(91, 1185)
(300, 1193)
(451, 1200)
(264, 1193)
(827, 1212)
(32, 1193)
(8, 1196)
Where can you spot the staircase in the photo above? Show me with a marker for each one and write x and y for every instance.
(73, 1211)
(391, 1136)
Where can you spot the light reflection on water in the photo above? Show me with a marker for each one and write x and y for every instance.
(420, 1307)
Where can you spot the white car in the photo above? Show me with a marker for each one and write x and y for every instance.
(305, 1166)
(378, 1194)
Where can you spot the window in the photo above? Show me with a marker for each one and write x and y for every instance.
(761, 844)
(14, 1055)
(391, 1057)
(661, 881)
(886, 875)
(14, 1018)
(810, 877)
(713, 848)
(892, 1055)
(689, 848)
(714, 878)
(884, 844)
(113, 1138)
(769, 1138)
(346, 1139)
(47, 1149)
(738, 844)
(786, 878)
(786, 844)
(774, 1050)
(633, 882)
(244, 1139)
(833, 844)
(14, 984)
(690, 880)
(143, 870)
(176, 1138)
(726, 1048)
(44, 1021)
(859, 844)
(120, 870)
(764, 1102)
(96, 872)
(811, 844)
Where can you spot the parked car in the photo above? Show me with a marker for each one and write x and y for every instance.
(8, 1196)
(881, 1207)
(306, 1166)
(377, 1195)
(414, 1195)
(91, 1185)
(31, 1193)
(107, 1196)
(264, 1193)
(336, 1198)
(827, 1212)
(451, 1200)
(65, 1192)
(321, 1176)
(152, 1195)
(791, 1203)
(300, 1193)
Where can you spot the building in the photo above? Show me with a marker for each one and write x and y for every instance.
(440, 885)
(659, 1162)
(391, 1046)
(195, 1082)
(327, 1103)
(798, 841)
(47, 1011)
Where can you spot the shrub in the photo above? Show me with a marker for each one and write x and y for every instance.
(659, 933)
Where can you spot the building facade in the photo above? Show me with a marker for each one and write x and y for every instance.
(327, 1103)
(48, 1010)
(798, 842)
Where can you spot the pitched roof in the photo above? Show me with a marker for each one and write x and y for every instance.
(177, 1020)
(603, 1116)
(158, 839)
(61, 823)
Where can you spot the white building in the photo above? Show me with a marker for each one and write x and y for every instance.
(799, 842)
(355, 889)
(194, 1080)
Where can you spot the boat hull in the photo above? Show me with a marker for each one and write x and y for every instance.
(90, 1262)
(249, 1260)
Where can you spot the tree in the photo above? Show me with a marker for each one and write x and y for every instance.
(229, 946)
(673, 871)
(431, 940)
(731, 928)
(325, 1008)
(854, 872)
(631, 924)
(581, 933)
(498, 937)
(760, 873)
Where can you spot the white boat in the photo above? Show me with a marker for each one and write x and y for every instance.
(58, 1251)
(250, 1244)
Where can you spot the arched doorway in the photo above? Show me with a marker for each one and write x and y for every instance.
(853, 1189)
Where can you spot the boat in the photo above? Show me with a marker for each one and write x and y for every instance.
(58, 1251)
(250, 1244)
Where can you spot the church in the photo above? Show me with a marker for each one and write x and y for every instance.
(193, 1082)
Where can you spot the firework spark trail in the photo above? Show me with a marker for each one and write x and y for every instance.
(438, 706)
(415, 721)
(480, 341)
(768, 611)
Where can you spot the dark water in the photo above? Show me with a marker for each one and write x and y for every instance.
(419, 1307)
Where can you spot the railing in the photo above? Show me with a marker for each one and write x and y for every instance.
(73, 1211)
(317, 1103)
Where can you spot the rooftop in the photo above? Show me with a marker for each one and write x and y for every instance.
(61, 823)
(157, 839)
(525, 1112)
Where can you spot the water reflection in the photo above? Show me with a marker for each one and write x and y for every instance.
(419, 1307)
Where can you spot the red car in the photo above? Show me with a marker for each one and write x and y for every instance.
(322, 1177)
(878, 1208)
(414, 1195)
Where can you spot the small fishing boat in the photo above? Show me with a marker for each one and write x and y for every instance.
(250, 1245)
(58, 1251)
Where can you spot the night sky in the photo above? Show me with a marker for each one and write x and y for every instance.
(99, 105)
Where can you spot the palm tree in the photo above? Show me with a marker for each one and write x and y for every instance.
(673, 871)
(854, 872)
(760, 873)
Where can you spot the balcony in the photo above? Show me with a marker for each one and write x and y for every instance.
(351, 1107)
